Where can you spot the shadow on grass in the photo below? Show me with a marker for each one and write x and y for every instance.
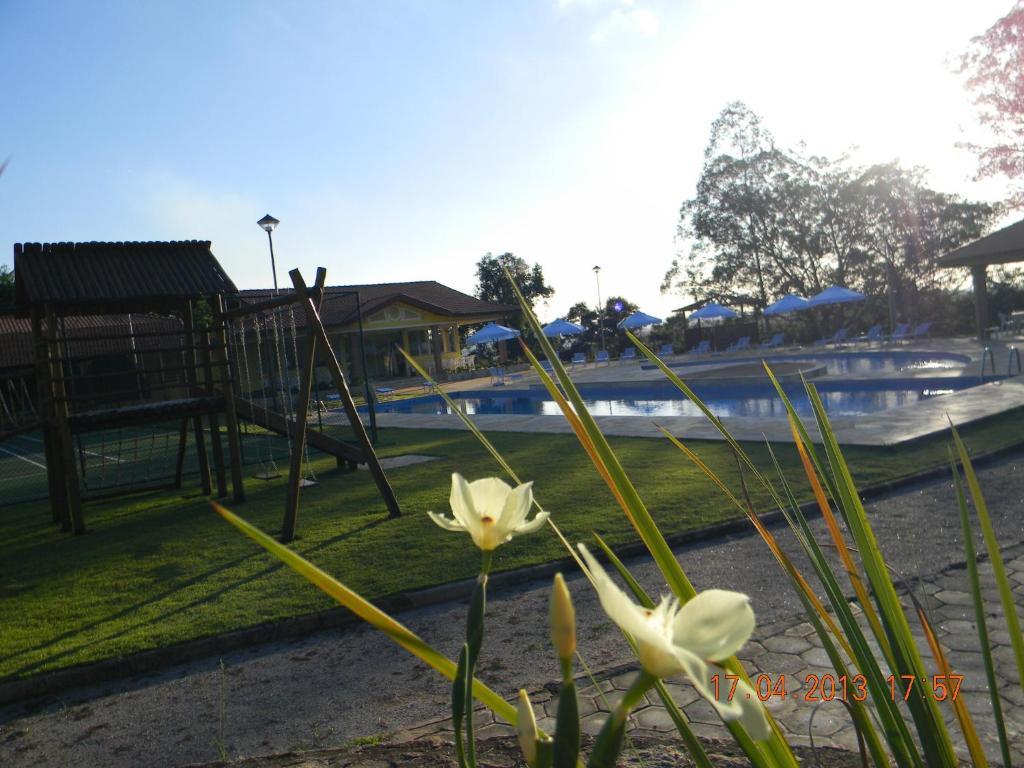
(128, 610)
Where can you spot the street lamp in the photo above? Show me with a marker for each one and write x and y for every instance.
(600, 307)
(268, 223)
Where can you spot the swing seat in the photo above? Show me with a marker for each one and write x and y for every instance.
(144, 413)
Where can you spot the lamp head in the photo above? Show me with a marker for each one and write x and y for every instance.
(268, 223)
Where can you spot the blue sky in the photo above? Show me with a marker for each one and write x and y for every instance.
(402, 140)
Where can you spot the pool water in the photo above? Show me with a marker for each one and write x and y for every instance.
(841, 398)
(851, 363)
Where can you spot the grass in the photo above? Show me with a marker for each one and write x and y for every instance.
(158, 569)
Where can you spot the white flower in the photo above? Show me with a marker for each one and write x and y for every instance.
(490, 510)
(673, 640)
(526, 728)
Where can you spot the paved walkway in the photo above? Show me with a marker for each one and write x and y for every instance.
(330, 688)
(892, 426)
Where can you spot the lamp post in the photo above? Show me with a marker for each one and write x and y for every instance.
(600, 308)
(268, 223)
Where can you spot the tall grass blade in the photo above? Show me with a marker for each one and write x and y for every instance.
(596, 443)
(979, 615)
(994, 556)
(368, 612)
(931, 728)
(959, 708)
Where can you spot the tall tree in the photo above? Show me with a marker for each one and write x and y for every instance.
(6, 289)
(994, 66)
(492, 285)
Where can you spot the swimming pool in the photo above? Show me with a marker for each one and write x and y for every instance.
(659, 399)
(838, 363)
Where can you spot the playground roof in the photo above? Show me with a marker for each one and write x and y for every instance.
(339, 306)
(100, 278)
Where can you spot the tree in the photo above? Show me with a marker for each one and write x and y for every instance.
(768, 221)
(492, 284)
(6, 289)
(994, 66)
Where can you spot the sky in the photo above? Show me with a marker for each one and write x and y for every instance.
(402, 140)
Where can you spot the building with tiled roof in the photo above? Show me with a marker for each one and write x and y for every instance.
(423, 316)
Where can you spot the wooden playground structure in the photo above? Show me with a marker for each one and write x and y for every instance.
(181, 357)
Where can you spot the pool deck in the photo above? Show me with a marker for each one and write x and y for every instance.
(883, 428)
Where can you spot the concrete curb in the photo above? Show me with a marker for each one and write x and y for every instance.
(106, 670)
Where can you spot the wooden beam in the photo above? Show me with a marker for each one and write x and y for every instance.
(45, 397)
(230, 414)
(261, 306)
(65, 447)
(316, 326)
(291, 511)
(215, 442)
(179, 468)
(197, 421)
(979, 277)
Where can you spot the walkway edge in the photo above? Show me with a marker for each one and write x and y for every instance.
(108, 670)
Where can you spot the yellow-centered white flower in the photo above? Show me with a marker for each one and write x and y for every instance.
(490, 510)
(673, 640)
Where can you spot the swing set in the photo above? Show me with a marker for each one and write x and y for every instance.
(176, 369)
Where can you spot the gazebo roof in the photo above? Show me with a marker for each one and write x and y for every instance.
(1002, 246)
(112, 278)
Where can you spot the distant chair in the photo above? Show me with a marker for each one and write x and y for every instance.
(743, 342)
(874, 334)
(703, 348)
(923, 331)
(579, 359)
(628, 354)
(901, 333)
(383, 393)
(602, 357)
(666, 350)
(836, 338)
(775, 342)
(547, 367)
(497, 376)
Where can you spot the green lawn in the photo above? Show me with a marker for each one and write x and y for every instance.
(163, 568)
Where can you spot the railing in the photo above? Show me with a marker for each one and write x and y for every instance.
(987, 355)
(1012, 354)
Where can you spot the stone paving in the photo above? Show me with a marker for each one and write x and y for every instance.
(792, 649)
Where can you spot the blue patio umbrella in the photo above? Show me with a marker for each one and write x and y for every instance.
(492, 332)
(562, 327)
(836, 295)
(639, 320)
(712, 310)
(790, 303)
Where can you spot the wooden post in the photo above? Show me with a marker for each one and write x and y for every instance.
(190, 376)
(291, 510)
(215, 441)
(62, 429)
(317, 327)
(435, 346)
(44, 391)
(230, 414)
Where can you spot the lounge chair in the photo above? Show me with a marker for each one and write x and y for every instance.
(497, 376)
(901, 332)
(666, 350)
(743, 342)
(579, 358)
(874, 334)
(602, 357)
(922, 331)
(627, 355)
(775, 342)
(703, 348)
(383, 393)
(836, 338)
(547, 367)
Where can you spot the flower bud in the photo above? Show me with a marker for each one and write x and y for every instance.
(563, 620)
(526, 728)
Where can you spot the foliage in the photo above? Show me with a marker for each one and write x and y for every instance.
(768, 221)
(492, 286)
(6, 290)
(994, 66)
(616, 309)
